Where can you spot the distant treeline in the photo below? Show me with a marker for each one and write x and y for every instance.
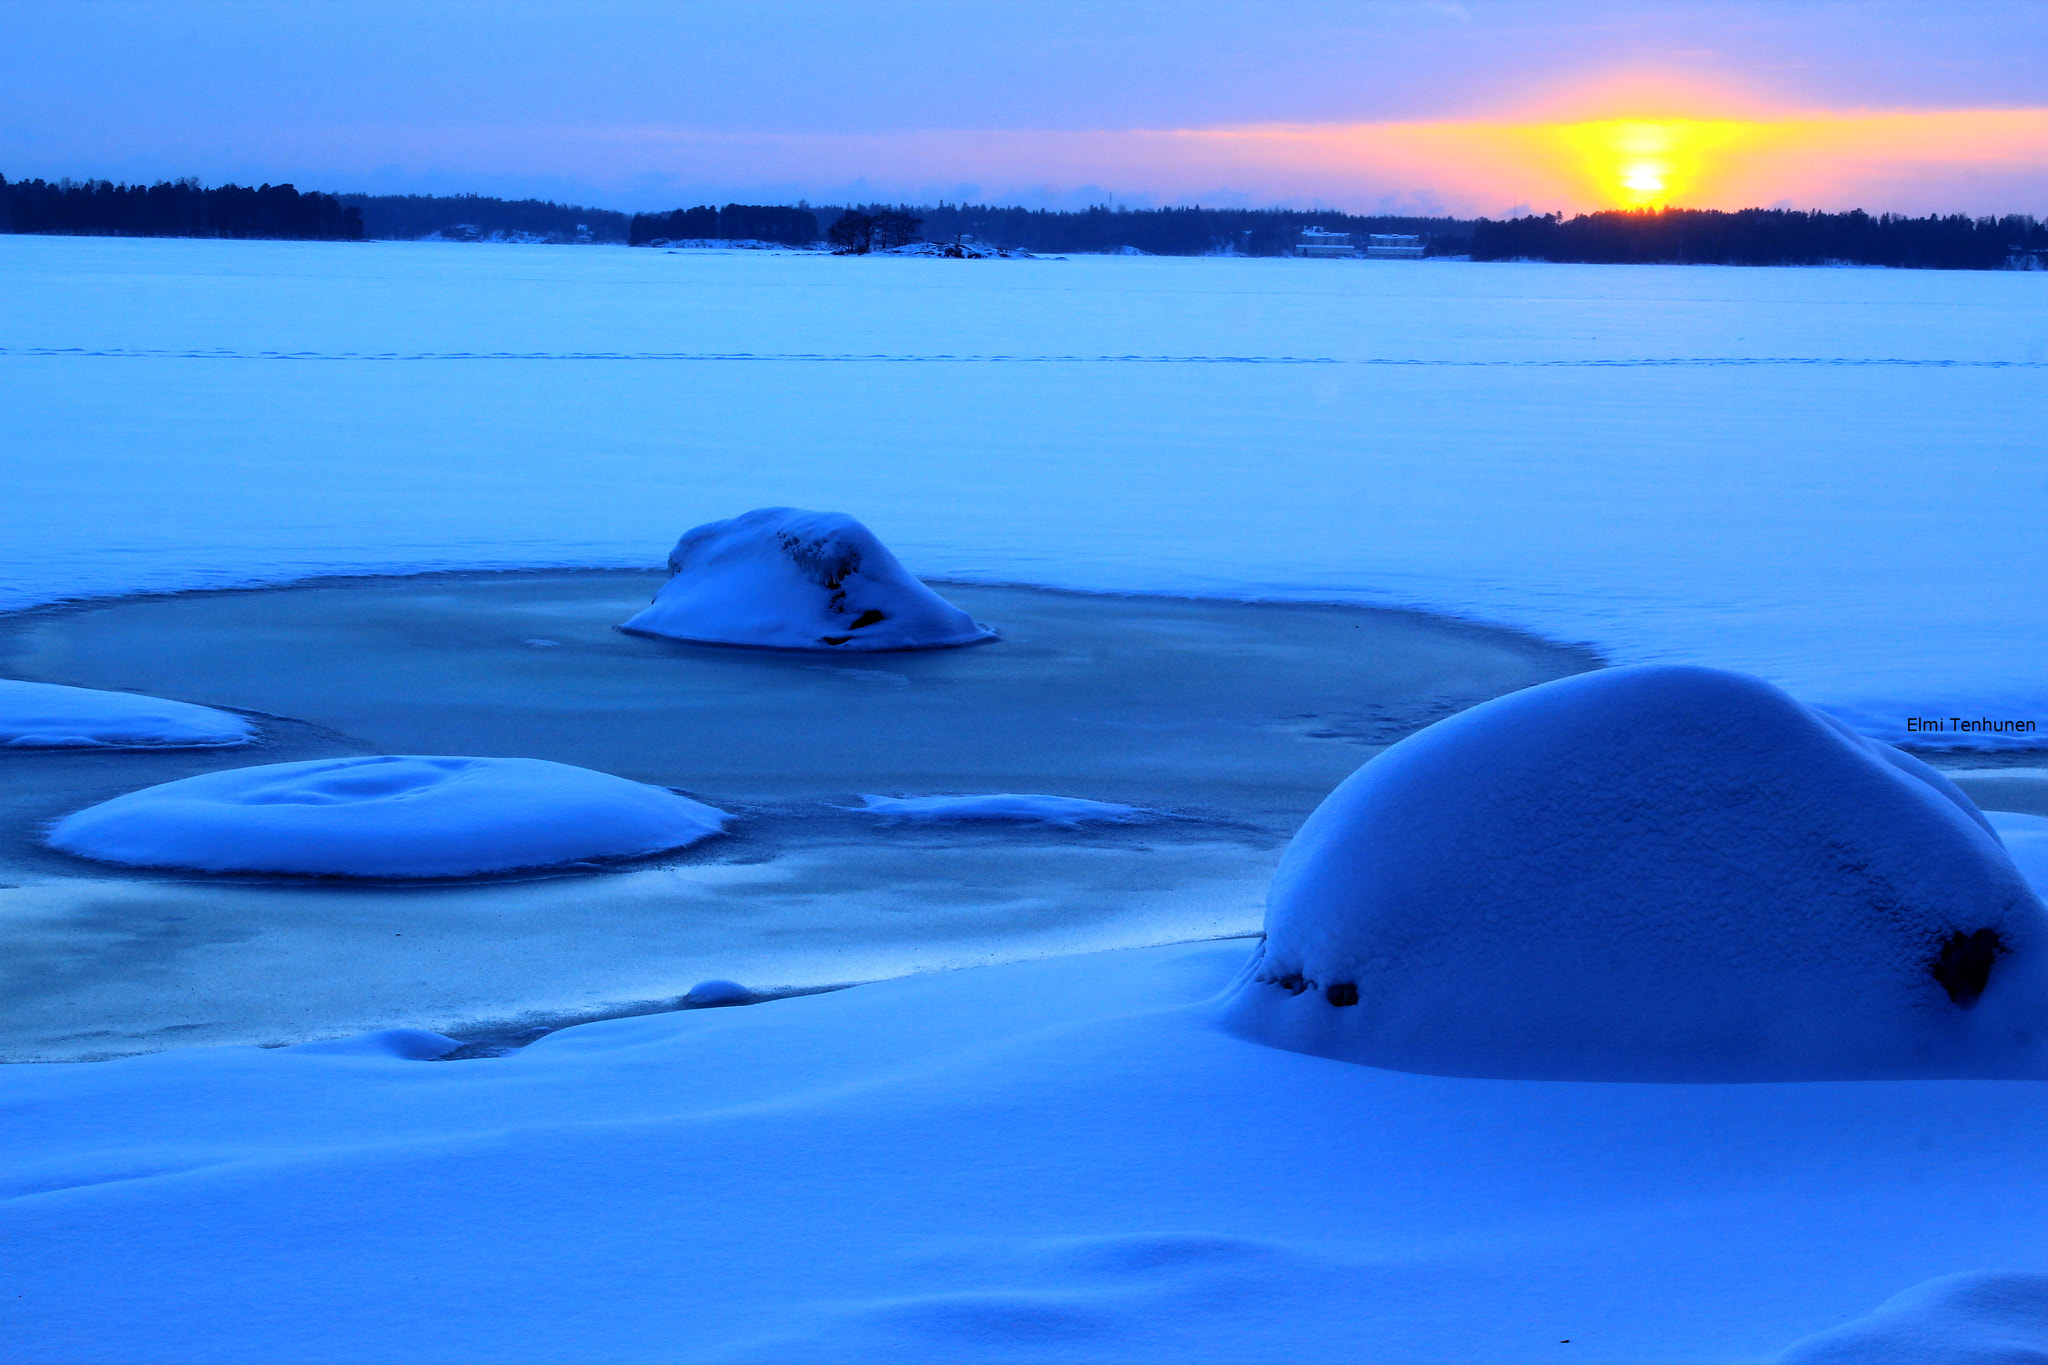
(1169, 232)
(409, 217)
(185, 208)
(1156, 232)
(733, 223)
(1762, 237)
(173, 208)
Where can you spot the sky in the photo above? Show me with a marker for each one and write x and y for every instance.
(1472, 106)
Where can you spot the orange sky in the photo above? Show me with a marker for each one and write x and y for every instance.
(1970, 160)
(1810, 160)
(1460, 106)
(1977, 161)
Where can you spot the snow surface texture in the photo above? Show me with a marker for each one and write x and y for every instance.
(1968, 1319)
(1677, 464)
(1068, 811)
(1657, 873)
(386, 817)
(37, 715)
(1058, 1161)
(2026, 840)
(784, 578)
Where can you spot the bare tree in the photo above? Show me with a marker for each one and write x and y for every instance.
(853, 233)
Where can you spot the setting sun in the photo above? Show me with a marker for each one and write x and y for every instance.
(1646, 180)
(1634, 163)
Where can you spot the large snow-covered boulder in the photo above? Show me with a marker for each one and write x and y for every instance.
(386, 817)
(1651, 874)
(37, 715)
(783, 578)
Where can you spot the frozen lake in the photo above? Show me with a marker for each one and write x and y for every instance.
(1232, 719)
(1826, 477)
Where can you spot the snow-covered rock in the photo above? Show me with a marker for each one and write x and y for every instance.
(386, 817)
(1651, 873)
(2026, 842)
(718, 991)
(1968, 1319)
(1050, 810)
(37, 715)
(784, 578)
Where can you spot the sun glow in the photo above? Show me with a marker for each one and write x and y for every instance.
(1636, 163)
(1639, 154)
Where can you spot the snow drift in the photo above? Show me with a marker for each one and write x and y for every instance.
(1653, 873)
(1968, 1319)
(37, 715)
(784, 578)
(386, 817)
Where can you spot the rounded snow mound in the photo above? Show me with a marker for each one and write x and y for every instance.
(386, 817)
(1651, 874)
(783, 578)
(37, 715)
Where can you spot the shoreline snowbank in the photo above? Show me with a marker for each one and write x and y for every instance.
(969, 1166)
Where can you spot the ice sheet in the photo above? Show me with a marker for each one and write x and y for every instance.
(1235, 718)
(1826, 477)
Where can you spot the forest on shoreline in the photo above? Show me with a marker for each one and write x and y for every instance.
(173, 208)
(184, 208)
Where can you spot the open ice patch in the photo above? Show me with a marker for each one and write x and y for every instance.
(784, 578)
(1653, 873)
(37, 715)
(2024, 790)
(1069, 811)
(386, 817)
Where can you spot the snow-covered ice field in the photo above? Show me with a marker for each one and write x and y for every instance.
(1831, 478)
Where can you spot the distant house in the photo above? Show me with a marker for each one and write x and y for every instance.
(1393, 246)
(1316, 242)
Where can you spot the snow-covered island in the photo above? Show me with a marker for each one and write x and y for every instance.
(784, 578)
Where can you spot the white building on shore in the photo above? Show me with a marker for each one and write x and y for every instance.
(1317, 242)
